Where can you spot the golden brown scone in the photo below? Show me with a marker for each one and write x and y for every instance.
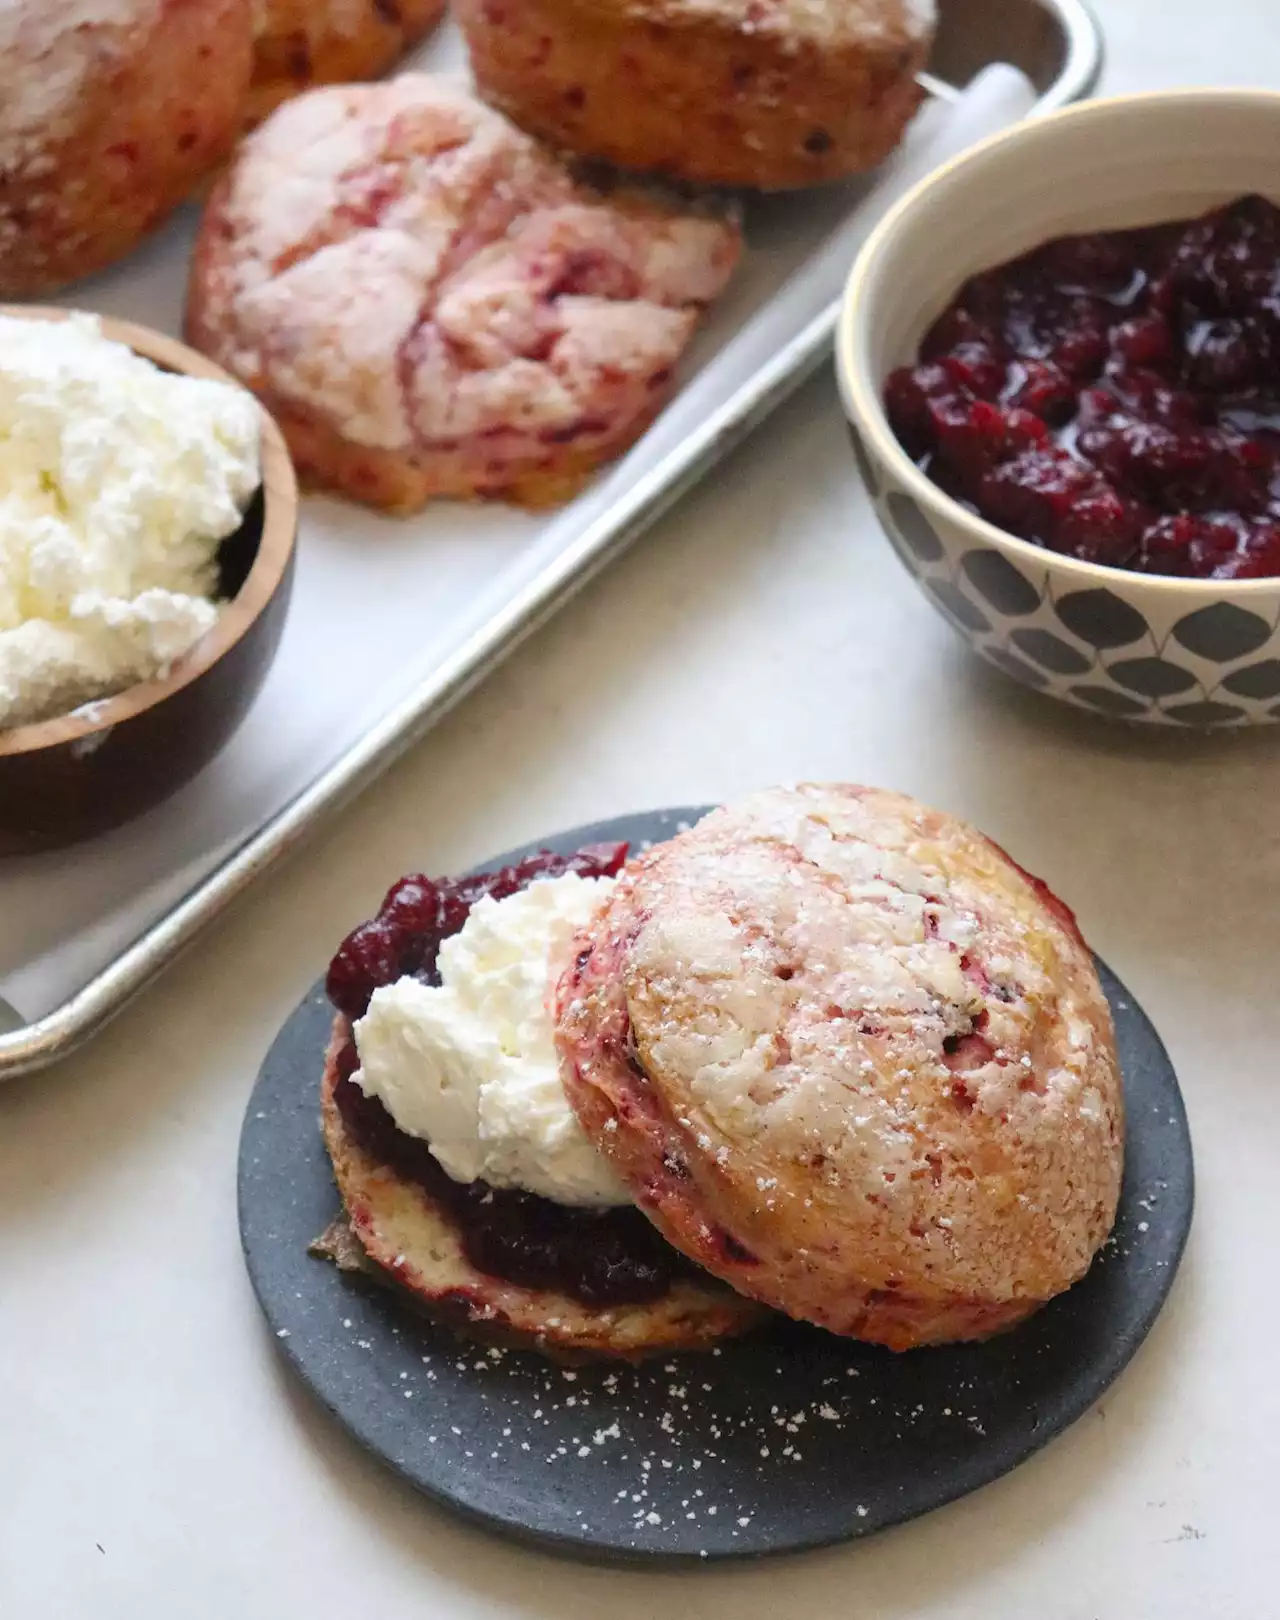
(852, 1059)
(301, 43)
(416, 1242)
(111, 112)
(766, 93)
(431, 305)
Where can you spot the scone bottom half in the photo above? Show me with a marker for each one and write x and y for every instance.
(850, 1058)
(506, 1266)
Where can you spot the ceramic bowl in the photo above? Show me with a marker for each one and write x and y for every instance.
(66, 779)
(1141, 647)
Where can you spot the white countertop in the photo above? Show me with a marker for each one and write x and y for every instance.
(155, 1458)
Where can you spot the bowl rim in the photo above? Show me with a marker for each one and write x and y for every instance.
(279, 486)
(861, 396)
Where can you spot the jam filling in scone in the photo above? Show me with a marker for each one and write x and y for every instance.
(610, 1257)
(848, 1057)
(566, 1277)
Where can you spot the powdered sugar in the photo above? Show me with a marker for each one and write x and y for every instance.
(681, 1454)
(47, 49)
(826, 22)
(408, 266)
(805, 1437)
(792, 976)
(922, 16)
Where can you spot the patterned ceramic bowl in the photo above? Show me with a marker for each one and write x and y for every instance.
(1174, 652)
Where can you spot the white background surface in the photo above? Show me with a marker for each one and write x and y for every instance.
(155, 1459)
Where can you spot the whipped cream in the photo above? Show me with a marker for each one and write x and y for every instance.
(470, 1065)
(118, 482)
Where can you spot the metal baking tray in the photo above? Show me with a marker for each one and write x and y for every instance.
(1058, 45)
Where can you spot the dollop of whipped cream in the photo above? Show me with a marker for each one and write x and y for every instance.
(470, 1065)
(118, 482)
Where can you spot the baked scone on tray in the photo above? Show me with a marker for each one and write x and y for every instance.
(431, 304)
(299, 44)
(548, 1251)
(850, 1058)
(111, 113)
(772, 95)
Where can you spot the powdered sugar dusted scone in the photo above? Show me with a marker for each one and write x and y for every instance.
(768, 93)
(111, 111)
(301, 43)
(852, 1059)
(431, 306)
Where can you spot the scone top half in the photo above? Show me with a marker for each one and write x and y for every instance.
(852, 1059)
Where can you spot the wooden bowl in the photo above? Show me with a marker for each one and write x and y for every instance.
(66, 779)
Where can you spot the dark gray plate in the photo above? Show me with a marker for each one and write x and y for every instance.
(788, 1441)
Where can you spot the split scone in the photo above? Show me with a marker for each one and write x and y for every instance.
(464, 1176)
(849, 1057)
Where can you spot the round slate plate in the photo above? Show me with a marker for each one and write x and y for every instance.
(788, 1441)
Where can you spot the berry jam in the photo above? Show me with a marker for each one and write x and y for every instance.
(1115, 397)
(603, 1258)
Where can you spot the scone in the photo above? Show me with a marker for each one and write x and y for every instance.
(853, 1060)
(110, 115)
(588, 1277)
(431, 305)
(765, 93)
(302, 43)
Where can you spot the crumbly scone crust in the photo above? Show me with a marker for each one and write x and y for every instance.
(853, 1060)
(111, 113)
(302, 43)
(718, 92)
(431, 305)
(415, 1243)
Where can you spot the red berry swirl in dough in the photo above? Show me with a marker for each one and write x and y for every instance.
(850, 1058)
(432, 305)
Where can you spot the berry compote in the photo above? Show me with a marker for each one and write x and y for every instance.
(1115, 397)
(607, 1257)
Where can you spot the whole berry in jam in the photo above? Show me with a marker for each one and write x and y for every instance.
(1144, 341)
(368, 958)
(1045, 390)
(410, 906)
(419, 913)
(974, 367)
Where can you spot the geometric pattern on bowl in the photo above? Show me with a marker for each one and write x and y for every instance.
(1124, 649)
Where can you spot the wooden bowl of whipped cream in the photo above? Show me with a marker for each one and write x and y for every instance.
(111, 758)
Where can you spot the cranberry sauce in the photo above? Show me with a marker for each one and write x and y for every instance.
(1115, 397)
(610, 1257)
